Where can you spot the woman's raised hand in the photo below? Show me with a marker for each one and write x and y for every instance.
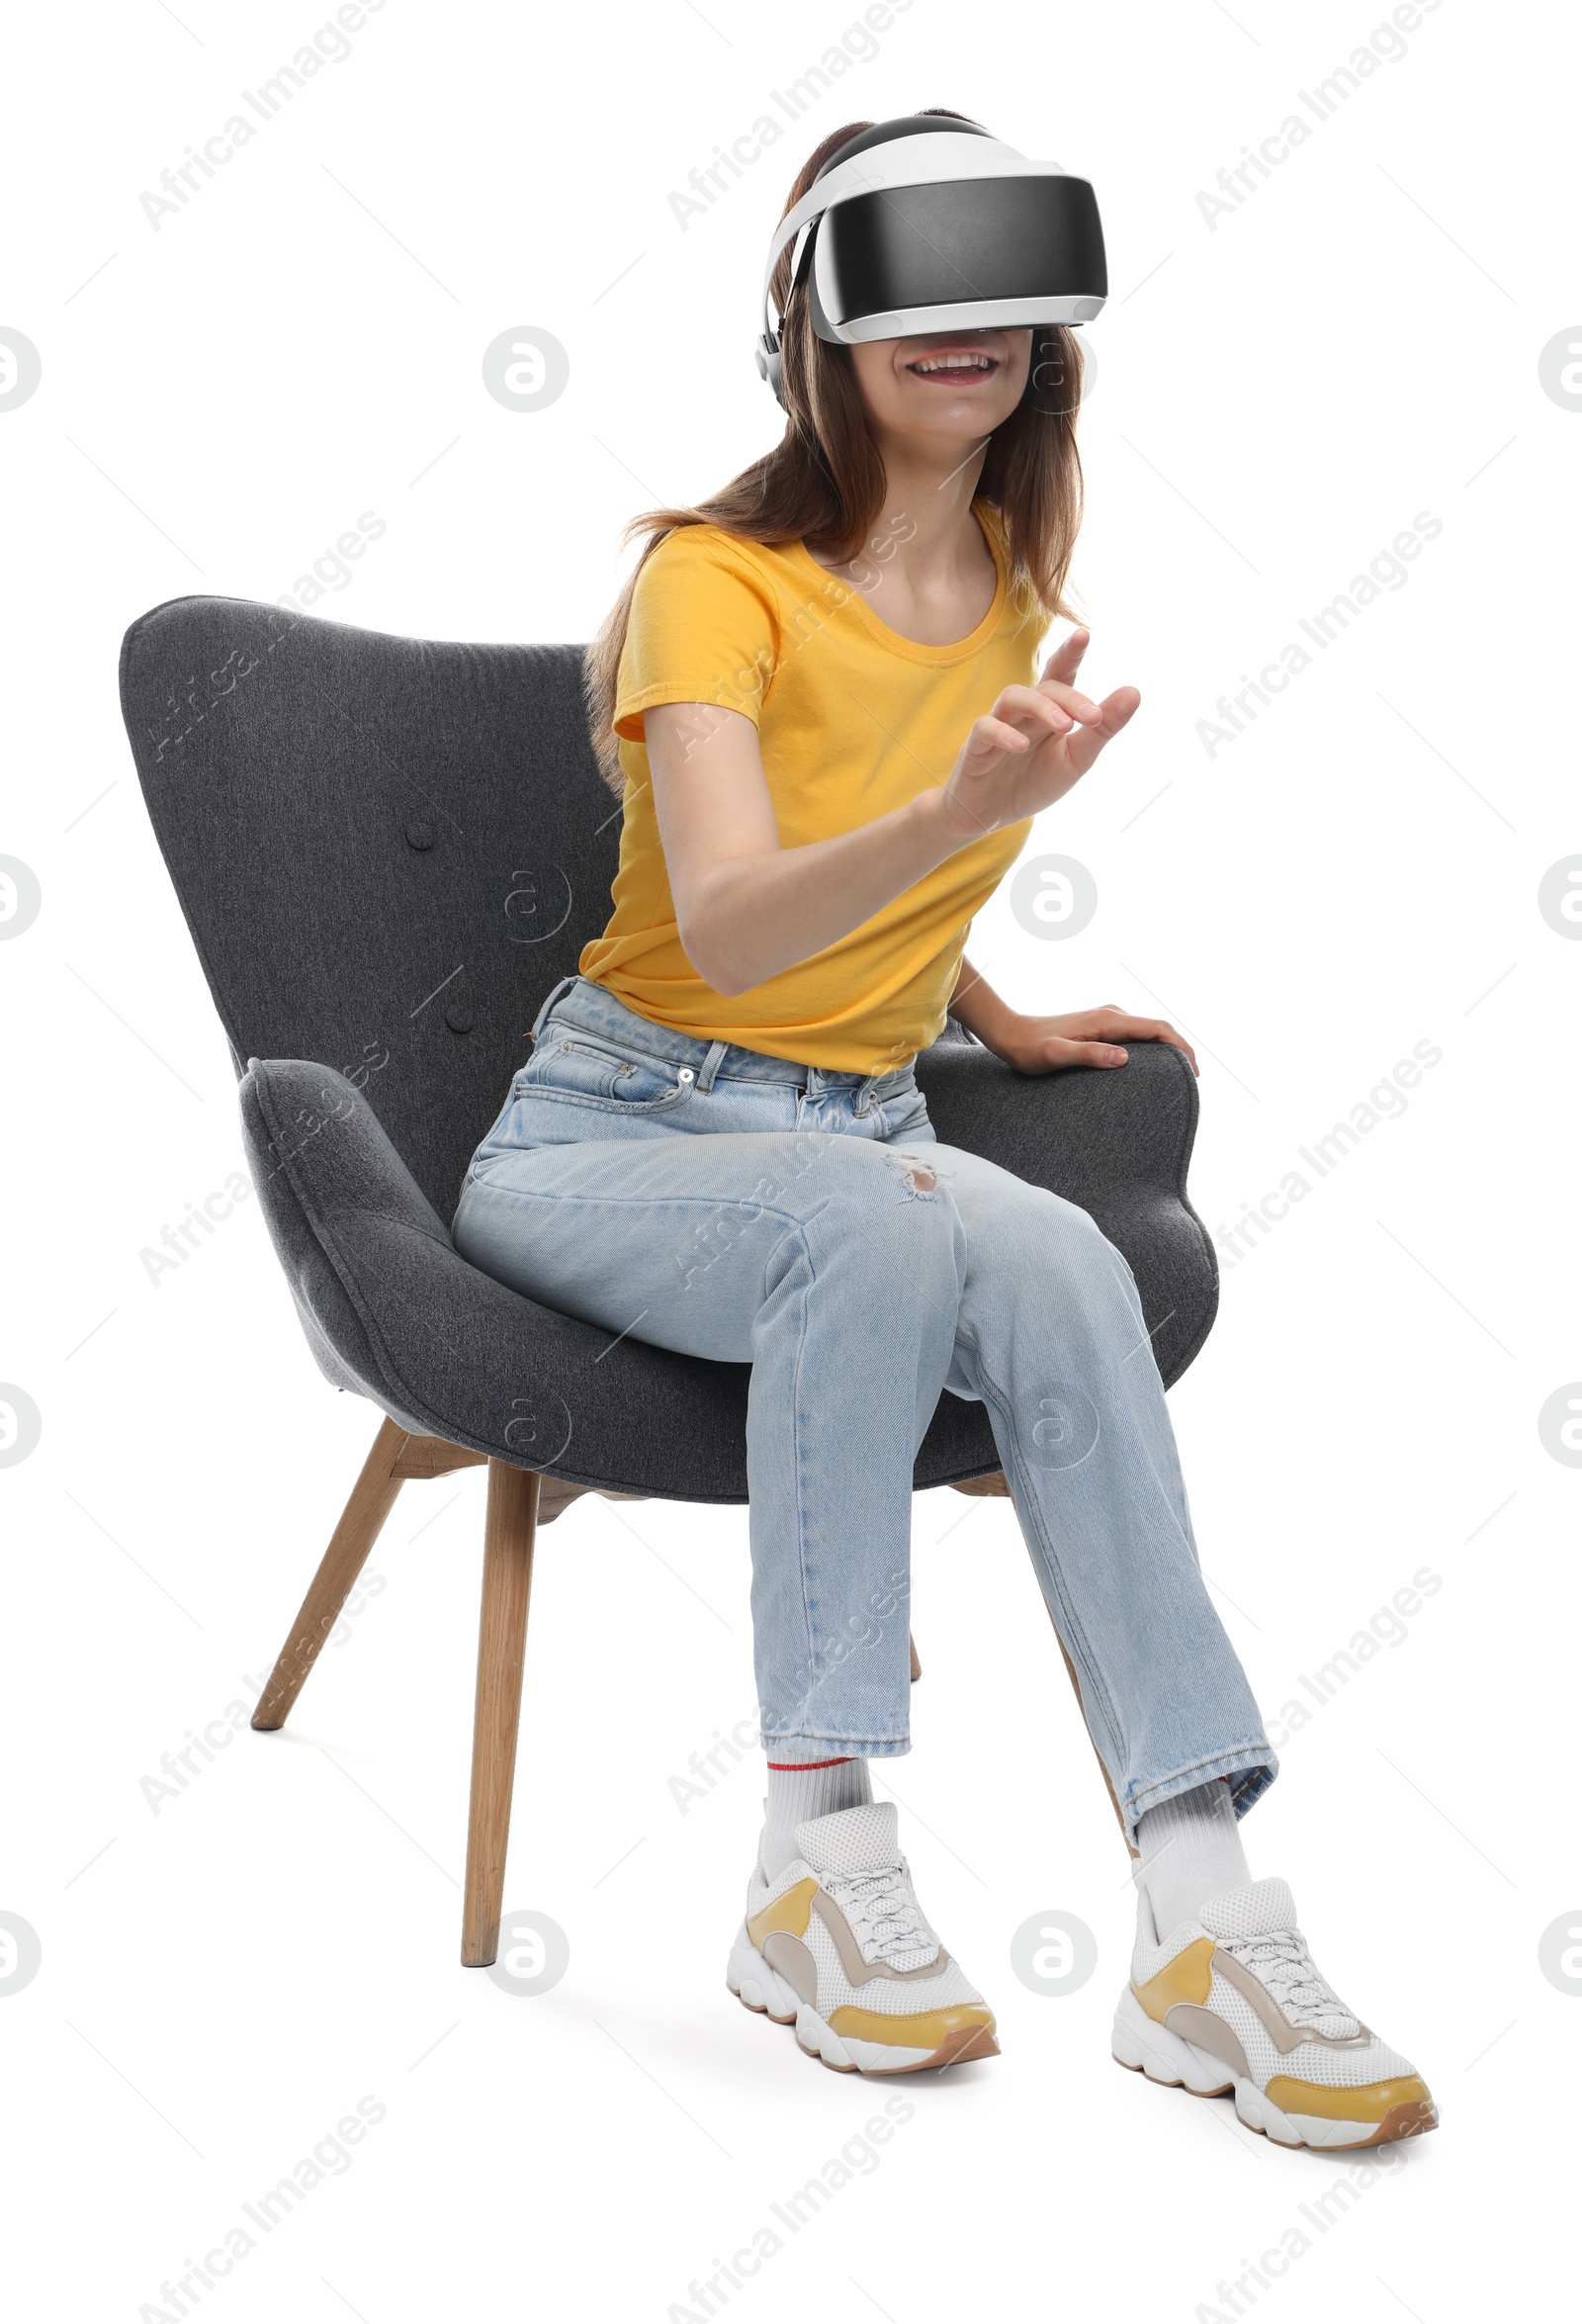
(1031, 747)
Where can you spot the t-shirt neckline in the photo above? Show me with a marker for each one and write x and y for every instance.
(913, 649)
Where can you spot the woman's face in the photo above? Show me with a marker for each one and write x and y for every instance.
(955, 385)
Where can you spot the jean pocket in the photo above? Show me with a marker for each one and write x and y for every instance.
(587, 1072)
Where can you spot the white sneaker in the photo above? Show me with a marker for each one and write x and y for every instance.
(836, 1943)
(1232, 2001)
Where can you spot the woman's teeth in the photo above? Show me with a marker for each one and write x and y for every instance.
(930, 366)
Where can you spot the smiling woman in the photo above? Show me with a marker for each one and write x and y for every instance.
(819, 698)
(826, 484)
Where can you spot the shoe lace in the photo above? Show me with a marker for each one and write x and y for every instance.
(1280, 1959)
(885, 1917)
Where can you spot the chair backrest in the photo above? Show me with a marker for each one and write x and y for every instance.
(388, 851)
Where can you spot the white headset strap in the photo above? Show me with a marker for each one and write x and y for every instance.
(917, 160)
(771, 325)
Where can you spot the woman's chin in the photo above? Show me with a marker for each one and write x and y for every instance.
(963, 419)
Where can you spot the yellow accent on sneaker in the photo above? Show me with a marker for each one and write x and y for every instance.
(790, 1912)
(1367, 2101)
(925, 2029)
(1186, 1978)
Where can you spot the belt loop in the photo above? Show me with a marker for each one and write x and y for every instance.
(711, 1064)
(557, 993)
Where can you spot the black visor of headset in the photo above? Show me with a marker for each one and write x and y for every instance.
(929, 224)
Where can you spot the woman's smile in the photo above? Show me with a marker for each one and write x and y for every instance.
(954, 365)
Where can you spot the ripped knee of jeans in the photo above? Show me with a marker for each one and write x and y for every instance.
(918, 1175)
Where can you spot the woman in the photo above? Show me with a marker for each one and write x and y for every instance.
(820, 700)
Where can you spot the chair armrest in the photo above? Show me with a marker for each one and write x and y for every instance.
(315, 1148)
(1117, 1141)
(393, 1310)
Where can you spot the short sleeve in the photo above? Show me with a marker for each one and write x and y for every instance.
(702, 628)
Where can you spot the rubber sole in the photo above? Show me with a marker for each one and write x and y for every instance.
(759, 1987)
(1144, 2047)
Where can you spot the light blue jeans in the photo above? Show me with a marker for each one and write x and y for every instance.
(750, 1210)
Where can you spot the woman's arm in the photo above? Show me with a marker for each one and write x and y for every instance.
(1039, 1045)
(747, 908)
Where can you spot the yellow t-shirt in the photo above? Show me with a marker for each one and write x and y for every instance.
(854, 721)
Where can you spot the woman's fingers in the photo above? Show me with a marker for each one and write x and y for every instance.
(1120, 1025)
(1087, 741)
(991, 736)
(1054, 707)
(1038, 721)
(1064, 662)
(1034, 714)
(1118, 707)
(1153, 1029)
(1076, 704)
(1156, 1030)
(1082, 708)
(1099, 1036)
(1057, 1052)
(1025, 718)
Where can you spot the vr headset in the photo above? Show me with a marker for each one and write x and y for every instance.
(927, 224)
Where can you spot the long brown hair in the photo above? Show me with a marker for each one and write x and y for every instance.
(824, 483)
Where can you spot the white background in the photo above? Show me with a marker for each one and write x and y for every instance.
(1278, 397)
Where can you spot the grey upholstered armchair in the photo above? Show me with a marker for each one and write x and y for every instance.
(388, 851)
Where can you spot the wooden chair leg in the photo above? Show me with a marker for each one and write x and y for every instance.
(373, 1497)
(508, 1532)
(394, 1456)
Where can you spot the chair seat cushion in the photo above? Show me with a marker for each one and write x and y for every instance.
(392, 1311)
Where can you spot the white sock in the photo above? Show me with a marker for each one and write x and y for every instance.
(796, 1794)
(1191, 1850)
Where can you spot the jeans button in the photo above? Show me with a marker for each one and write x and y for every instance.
(686, 1074)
